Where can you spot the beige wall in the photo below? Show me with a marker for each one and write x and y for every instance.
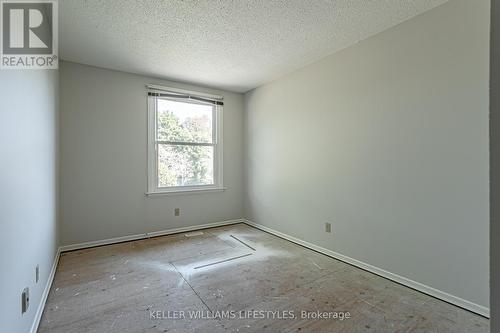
(388, 141)
(103, 160)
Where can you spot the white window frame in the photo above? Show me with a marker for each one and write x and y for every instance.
(217, 125)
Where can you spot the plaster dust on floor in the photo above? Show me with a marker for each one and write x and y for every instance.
(239, 269)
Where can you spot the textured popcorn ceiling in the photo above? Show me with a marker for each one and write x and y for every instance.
(234, 45)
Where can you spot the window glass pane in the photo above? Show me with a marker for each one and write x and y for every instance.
(184, 165)
(184, 122)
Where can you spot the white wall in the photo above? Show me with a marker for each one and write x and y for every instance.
(388, 140)
(28, 196)
(103, 160)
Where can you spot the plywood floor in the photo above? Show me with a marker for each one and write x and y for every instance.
(142, 286)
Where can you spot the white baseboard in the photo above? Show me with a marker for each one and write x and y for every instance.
(147, 235)
(476, 308)
(45, 294)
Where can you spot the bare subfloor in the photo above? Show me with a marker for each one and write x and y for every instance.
(233, 279)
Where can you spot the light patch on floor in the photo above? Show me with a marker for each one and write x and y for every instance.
(238, 252)
(193, 234)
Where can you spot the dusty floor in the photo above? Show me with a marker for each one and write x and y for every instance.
(158, 284)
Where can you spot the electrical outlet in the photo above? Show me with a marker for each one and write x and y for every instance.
(25, 300)
(328, 227)
(37, 273)
(177, 212)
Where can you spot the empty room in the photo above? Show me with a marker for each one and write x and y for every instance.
(249, 166)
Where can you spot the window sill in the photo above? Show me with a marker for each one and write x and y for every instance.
(186, 191)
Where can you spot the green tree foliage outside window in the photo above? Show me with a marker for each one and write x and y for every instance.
(184, 165)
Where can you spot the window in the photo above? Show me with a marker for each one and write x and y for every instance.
(185, 148)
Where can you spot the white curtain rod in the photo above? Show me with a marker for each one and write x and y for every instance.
(183, 91)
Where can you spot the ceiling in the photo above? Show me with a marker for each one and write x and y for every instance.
(232, 45)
